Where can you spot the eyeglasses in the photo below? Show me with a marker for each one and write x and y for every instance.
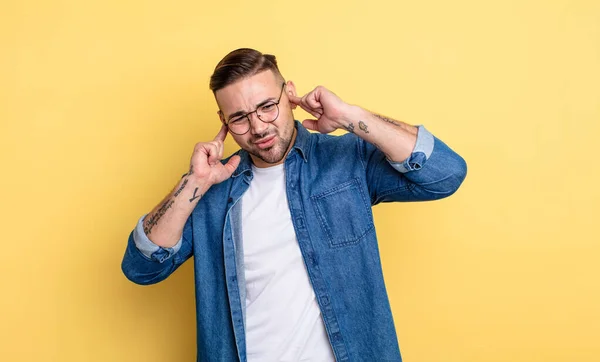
(267, 113)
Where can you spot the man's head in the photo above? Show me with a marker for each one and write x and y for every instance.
(253, 102)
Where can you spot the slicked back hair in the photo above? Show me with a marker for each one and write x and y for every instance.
(240, 64)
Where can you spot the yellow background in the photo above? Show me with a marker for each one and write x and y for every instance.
(102, 102)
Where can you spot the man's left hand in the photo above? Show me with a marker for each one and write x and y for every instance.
(328, 109)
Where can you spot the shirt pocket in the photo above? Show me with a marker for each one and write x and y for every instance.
(344, 213)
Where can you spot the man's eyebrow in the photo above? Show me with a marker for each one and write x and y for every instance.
(236, 114)
(241, 113)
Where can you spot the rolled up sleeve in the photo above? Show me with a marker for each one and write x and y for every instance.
(148, 248)
(421, 152)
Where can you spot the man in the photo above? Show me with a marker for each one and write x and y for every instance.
(286, 261)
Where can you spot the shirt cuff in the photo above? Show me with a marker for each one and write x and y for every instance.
(148, 248)
(421, 152)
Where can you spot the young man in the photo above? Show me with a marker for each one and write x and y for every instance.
(286, 261)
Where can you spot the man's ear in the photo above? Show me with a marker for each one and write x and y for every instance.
(290, 90)
(221, 117)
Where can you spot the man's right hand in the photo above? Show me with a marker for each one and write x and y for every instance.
(206, 166)
(164, 224)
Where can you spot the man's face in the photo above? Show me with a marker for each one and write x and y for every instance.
(267, 143)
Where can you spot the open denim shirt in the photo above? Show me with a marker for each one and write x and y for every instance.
(331, 183)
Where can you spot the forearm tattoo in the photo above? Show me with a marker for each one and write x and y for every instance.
(387, 120)
(188, 173)
(151, 221)
(363, 126)
(181, 187)
(194, 196)
(404, 126)
(350, 127)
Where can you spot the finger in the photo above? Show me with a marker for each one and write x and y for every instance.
(310, 124)
(221, 149)
(213, 154)
(312, 102)
(219, 146)
(222, 134)
(303, 102)
(295, 100)
(313, 112)
(232, 164)
(304, 105)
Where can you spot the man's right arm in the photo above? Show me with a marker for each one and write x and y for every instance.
(161, 240)
(164, 224)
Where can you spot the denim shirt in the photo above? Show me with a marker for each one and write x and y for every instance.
(331, 184)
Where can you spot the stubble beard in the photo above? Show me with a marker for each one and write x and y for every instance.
(275, 153)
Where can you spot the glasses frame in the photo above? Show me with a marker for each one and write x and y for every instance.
(247, 115)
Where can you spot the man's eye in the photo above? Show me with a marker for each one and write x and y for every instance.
(268, 107)
(237, 120)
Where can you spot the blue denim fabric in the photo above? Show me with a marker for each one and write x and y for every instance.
(332, 182)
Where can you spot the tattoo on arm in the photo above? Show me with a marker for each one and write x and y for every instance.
(363, 126)
(402, 125)
(152, 220)
(350, 127)
(387, 119)
(181, 187)
(189, 172)
(194, 196)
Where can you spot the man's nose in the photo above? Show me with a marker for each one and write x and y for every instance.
(256, 125)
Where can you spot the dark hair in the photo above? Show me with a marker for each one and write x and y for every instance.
(239, 64)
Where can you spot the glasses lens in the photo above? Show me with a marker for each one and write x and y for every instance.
(268, 112)
(239, 125)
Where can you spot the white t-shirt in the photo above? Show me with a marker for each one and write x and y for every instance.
(283, 319)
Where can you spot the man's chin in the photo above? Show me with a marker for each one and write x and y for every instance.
(269, 155)
(271, 159)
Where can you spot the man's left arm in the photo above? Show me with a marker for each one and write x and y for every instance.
(430, 169)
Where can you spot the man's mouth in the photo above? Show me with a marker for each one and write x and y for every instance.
(265, 142)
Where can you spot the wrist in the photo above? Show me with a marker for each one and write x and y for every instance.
(351, 114)
(200, 183)
(191, 182)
